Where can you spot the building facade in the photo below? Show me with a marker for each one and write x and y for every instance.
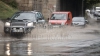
(44, 6)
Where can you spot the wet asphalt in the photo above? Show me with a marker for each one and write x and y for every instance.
(65, 41)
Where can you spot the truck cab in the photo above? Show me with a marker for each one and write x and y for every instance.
(60, 18)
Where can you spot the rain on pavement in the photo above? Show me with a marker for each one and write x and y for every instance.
(65, 41)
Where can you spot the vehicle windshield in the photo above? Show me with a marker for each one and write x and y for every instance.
(78, 19)
(58, 16)
(23, 16)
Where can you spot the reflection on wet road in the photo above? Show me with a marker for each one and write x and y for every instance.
(74, 41)
(50, 48)
(17, 48)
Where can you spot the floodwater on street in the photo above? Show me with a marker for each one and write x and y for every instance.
(65, 41)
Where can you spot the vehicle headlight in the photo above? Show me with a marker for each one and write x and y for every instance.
(7, 24)
(30, 24)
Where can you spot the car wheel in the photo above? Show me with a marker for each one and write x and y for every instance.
(5, 31)
(12, 34)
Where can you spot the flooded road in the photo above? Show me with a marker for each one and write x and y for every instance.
(66, 41)
(69, 41)
(26, 48)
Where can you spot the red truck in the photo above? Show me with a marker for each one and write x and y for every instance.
(60, 18)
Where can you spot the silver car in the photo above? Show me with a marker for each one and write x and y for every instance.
(79, 21)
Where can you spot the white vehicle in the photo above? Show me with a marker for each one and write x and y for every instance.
(97, 8)
(97, 11)
(79, 21)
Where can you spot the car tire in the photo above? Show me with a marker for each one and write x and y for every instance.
(5, 31)
(11, 33)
